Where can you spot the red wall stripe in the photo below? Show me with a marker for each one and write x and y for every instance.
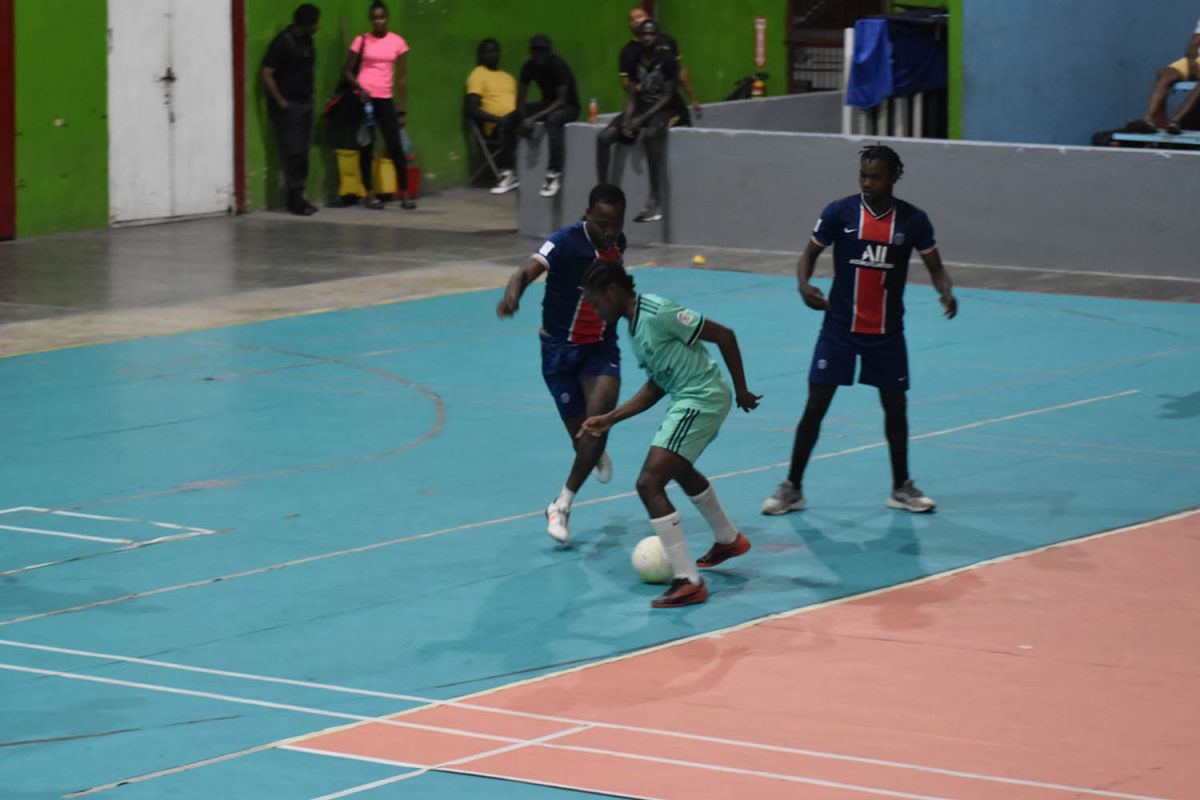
(239, 105)
(8, 127)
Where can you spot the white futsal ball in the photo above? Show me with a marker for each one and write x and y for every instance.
(650, 561)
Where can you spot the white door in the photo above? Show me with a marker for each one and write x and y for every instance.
(170, 108)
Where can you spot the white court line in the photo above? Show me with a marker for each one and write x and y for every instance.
(462, 704)
(527, 515)
(65, 535)
(189, 532)
(511, 743)
(133, 545)
(517, 744)
(103, 518)
(449, 766)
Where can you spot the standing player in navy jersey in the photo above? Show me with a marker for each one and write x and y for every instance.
(873, 235)
(581, 363)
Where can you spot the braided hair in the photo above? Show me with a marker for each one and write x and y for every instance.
(881, 152)
(603, 273)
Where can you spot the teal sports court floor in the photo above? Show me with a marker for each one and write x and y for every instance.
(216, 541)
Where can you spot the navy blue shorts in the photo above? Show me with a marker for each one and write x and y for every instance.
(563, 365)
(884, 359)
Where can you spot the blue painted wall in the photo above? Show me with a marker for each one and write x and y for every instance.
(1055, 72)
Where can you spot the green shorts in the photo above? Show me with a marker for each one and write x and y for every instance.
(689, 428)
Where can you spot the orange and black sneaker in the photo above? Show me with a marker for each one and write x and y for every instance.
(723, 552)
(682, 592)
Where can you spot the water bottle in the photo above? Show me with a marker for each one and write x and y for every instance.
(369, 113)
(593, 111)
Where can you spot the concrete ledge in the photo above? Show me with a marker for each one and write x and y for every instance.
(1114, 210)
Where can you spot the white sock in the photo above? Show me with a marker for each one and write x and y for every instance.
(565, 497)
(718, 520)
(670, 531)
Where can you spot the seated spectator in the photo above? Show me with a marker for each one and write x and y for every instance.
(1184, 69)
(652, 88)
(492, 103)
(628, 62)
(558, 106)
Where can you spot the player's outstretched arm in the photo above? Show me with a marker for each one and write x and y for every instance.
(941, 282)
(642, 400)
(517, 283)
(726, 342)
(813, 297)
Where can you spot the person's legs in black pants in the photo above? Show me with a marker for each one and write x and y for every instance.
(506, 156)
(604, 142)
(556, 123)
(293, 129)
(654, 138)
(389, 127)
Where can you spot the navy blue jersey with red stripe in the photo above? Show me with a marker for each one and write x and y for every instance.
(565, 314)
(870, 262)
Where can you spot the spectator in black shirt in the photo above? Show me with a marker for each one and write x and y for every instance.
(628, 63)
(653, 82)
(558, 106)
(287, 75)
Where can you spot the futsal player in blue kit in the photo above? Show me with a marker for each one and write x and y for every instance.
(581, 362)
(873, 235)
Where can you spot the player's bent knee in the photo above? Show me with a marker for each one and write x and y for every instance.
(650, 484)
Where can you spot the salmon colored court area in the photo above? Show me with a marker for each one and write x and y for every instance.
(1069, 672)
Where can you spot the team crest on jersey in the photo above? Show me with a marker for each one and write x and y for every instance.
(898, 239)
(685, 317)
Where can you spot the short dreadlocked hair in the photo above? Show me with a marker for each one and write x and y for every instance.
(603, 273)
(881, 152)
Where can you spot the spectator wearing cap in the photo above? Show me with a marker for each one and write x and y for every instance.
(558, 105)
(287, 76)
(653, 83)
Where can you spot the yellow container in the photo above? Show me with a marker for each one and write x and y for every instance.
(384, 176)
(349, 177)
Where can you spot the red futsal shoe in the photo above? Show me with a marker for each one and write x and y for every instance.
(723, 552)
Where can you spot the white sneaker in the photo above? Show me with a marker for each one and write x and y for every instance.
(556, 522)
(910, 498)
(603, 468)
(551, 185)
(508, 181)
(651, 213)
(784, 499)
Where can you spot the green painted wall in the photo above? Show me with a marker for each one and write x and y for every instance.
(954, 57)
(61, 116)
(717, 42)
(265, 19)
(716, 37)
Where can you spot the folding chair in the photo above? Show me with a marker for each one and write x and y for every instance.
(489, 148)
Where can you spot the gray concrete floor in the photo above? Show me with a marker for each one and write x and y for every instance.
(96, 286)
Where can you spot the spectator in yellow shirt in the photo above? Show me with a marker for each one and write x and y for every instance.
(492, 104)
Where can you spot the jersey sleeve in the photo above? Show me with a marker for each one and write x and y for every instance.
(825, 231)
(475, 82)
(922, 232)
(679, 322)
(551, 250)
(627, 61)
(526, 76)
(276, 55)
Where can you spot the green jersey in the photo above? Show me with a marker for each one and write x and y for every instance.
(665, 338)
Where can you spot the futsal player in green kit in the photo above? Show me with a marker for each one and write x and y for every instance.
(666, 339)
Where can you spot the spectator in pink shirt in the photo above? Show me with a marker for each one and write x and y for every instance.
(383, 63)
